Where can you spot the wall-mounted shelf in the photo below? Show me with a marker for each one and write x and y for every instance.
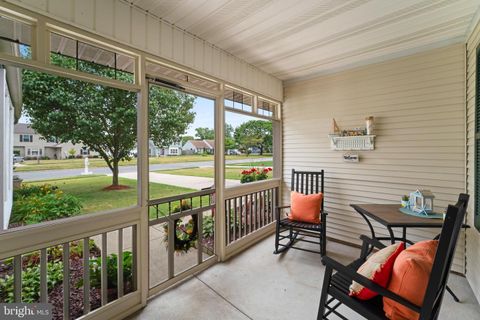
(349, 143)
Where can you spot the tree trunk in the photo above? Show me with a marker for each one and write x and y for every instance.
(115, 173)
(261, 150)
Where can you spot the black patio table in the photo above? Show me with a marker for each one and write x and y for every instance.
(390, 216)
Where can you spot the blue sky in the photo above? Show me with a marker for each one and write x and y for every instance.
(204, 110)
(204, 116)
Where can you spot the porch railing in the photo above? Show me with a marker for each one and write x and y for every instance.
(76, 274)
(181, 226)
(249, 207)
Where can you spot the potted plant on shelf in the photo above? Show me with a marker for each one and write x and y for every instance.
(405, 201)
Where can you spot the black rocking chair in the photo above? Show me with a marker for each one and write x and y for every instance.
(337, 285)
(306, 182)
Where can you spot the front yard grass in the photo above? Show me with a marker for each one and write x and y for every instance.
(88, 189)
(207, 172)
(33, 165)
(252, 164)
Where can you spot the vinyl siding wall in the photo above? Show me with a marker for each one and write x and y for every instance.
(125, 24)
(473, 235)
(419, 107)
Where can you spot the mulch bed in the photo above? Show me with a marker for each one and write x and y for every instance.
(119, 187)
(55, 296)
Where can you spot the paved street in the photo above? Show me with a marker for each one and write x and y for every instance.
(65, 173)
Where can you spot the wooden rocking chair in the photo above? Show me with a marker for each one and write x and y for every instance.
(306, 182)
(337, 285)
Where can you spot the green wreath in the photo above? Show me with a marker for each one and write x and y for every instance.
(185, 235)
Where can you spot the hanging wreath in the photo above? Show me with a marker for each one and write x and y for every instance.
(186, 234)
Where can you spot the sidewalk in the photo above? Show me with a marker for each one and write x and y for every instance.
(181, 181)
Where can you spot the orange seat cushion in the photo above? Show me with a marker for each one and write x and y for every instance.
(410, 277)
(377, 268)
(305, 208)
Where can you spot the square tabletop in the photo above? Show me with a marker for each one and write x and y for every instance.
(389, 215)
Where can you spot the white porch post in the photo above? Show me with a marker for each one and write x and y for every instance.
(220, 244)
(142, 174)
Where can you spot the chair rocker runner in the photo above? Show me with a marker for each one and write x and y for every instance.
(305, 182)
(336, 285)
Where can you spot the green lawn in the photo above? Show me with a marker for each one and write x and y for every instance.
(89, 190)
(252, 164)
(207, 172)
(33, 165)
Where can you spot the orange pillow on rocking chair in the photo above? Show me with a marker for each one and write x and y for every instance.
(305, 208)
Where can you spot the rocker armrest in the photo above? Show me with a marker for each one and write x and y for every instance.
(367, 283)
(278, 210)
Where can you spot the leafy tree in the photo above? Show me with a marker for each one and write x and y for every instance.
(170, 114)
(229, 130)
(185, 139)
(230, 143)
(72, 152)
(102, 118)
(205, 133)
(254, 133)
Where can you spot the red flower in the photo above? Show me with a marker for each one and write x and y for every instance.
(270, 169)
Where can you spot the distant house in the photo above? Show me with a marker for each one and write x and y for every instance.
(199, 146)
(174, 150)
(29, 144)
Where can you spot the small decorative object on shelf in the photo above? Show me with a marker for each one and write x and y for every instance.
(334, 128)
(421, 201)
(370, 125)
(405, 201)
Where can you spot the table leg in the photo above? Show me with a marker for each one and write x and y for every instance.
(392, 235)
(372, 231)
(404, 234)
(452, 294)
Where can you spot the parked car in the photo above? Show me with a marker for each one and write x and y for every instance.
(18, 159)
(233, 152)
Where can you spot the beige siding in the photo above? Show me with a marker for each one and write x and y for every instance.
(473, 236)
(418, 104)
(119, 21)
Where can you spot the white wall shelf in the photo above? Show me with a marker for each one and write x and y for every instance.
(349, 143)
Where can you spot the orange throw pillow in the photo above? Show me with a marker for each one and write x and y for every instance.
(305, 208)
(377, 268)
(410, 276)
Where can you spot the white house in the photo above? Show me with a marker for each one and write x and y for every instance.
(199, 146)
(28, 143)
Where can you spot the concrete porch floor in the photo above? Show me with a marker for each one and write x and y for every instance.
(259, 285)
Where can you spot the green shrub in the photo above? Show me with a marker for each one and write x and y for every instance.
(34, 190)
(31, 282)
(34, 204)
(96, 270)
(208, 226)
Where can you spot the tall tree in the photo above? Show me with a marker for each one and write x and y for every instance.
(205, 133)
(254, 133)
(185, 139)
(102, 118)
(229, 130)
(170, 114)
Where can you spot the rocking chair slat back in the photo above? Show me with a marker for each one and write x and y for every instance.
(444, 257)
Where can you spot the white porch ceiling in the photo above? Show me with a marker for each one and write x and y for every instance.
(297, 39)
